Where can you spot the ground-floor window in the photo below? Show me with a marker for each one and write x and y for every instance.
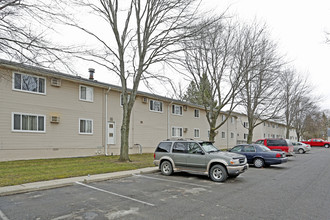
(85, 126)
(196, 133)
(28, 122)
(176, 132)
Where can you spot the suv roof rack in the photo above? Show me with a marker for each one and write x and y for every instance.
(180, 139)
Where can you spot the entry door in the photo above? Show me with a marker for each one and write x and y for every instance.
(111, 133)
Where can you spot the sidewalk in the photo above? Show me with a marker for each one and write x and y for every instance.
(29, 187)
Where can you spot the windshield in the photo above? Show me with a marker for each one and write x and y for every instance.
(209, 147)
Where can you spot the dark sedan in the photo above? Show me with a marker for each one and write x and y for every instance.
(260, 155)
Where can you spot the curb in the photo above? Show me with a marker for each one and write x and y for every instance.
(51, 184)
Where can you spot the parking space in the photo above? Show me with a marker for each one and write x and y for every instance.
(295, 190)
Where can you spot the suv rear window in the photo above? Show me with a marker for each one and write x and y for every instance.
(276, 143)
(164, 147)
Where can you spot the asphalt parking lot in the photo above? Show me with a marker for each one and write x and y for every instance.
(299, 189)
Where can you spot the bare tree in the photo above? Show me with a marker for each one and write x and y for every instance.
(302, 123)
(295, 90)
(261, 92)
(23, 32)
(209, 62)
(316, 124)
(137, 34)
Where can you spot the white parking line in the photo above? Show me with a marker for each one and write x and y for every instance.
(112, 193)
(173, 181)
(3, 216)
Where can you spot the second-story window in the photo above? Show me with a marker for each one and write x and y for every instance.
(29, 83)
(156, 106)
(86, 93)
(176, 109)
(196, 113)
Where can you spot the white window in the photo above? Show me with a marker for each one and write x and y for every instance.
(231, 135)
(29, 83)
(245, 125)
(196, 113)
(85, 126)
(122, 100)
(28, 122)
(196, 133)
(176, 132)
(223, 134)
(245, 136)
(232, 120)
(223, 117)
(156, 106)
(176, 109)
(86, 93)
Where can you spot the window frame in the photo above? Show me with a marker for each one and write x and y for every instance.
(27, 91)
(199, 133)
(180, 128)
(21, 123)
(196, 110)
(86, 100)
(153, 101)
(223, 134)
(174, 107)
(86, 119)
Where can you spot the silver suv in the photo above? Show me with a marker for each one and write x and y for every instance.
(198, 157)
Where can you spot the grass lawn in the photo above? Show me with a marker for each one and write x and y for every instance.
(26, 171)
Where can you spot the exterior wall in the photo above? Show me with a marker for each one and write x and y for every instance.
(267, 129)
(146, 130)
(59, 139)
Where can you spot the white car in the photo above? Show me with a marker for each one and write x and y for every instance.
(301, 148)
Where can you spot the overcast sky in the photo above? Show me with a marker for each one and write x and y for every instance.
(299, 27)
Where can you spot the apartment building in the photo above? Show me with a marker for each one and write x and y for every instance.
(48, 114)
(268, 129)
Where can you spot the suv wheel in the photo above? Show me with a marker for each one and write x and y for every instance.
(258, 162)
(326, 146)
(301, 151)
(166, 168)
(218, 173)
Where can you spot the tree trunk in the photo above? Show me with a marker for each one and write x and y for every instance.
(250, 135)
(212, 134)
(287, 136)
(124, 156)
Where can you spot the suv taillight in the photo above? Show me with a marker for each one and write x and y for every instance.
(154, 155)
(278, 155)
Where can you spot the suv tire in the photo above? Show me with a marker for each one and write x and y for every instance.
(326, 145)
(258, 163)
(218, 173)
(166, 168)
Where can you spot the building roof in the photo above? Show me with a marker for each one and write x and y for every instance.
(47, 72)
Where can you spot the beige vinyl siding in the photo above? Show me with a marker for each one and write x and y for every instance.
(60, 139)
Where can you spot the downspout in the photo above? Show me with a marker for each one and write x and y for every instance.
(106, 123)
(168, 120)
